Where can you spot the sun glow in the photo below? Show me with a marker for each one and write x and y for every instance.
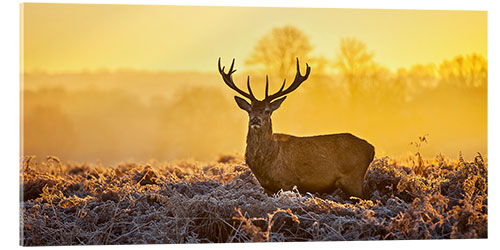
(134, 82)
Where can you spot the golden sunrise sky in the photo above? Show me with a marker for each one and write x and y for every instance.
(75, 37)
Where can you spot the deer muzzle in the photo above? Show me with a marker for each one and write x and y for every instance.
(255, 123)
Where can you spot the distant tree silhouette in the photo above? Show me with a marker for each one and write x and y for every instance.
(417, 79)
(465, 71)
(277, 50)
(369, 85)
(355, 63)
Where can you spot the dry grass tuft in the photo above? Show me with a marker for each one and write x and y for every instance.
(192, 202)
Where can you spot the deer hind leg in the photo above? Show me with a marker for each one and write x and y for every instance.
(353, 186)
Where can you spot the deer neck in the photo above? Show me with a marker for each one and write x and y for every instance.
(261, 150)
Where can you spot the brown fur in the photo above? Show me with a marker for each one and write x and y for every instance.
(320, 164)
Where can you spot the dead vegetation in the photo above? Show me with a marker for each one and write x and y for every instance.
(192, 202)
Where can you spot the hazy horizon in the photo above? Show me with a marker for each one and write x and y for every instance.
(135, 82)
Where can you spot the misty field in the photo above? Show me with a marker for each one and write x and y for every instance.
(221, 201)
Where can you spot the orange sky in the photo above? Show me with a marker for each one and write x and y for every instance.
(74, 37)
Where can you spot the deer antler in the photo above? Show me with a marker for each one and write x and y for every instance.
(295, 84)
(228, 79)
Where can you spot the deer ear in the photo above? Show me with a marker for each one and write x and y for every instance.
(276, 104)
(242, 103)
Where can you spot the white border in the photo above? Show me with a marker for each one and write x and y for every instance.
(9, 134)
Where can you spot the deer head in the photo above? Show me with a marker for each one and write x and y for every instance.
(259, 111)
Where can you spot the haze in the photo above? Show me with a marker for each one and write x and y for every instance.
(76, 37)
(134, 83)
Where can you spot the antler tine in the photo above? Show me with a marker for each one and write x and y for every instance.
(220, 70)
(282, 86)
(228, 79)
(308, 70)
(295, 84)
(250, 89)
(267, 86)
(231, 69)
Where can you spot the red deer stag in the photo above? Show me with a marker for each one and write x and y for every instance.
(320, 163)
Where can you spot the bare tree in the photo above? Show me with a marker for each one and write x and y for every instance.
(355, 63)
(277, 51)
(369, 84)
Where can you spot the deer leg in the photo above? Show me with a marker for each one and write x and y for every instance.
(353, 187)
(268, 192)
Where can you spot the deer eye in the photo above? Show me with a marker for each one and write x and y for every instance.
(267, 111)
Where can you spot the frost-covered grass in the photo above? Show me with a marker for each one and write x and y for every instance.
(191, 202)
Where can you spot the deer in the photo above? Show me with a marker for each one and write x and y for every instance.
(314, 164)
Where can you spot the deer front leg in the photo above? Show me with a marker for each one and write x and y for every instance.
(268, 192)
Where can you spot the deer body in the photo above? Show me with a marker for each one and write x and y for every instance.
(320, 163)
(314, 164)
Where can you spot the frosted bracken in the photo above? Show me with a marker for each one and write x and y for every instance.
(193, 202)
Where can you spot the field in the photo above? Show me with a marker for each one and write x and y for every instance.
(112, 108)
(221, 201)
